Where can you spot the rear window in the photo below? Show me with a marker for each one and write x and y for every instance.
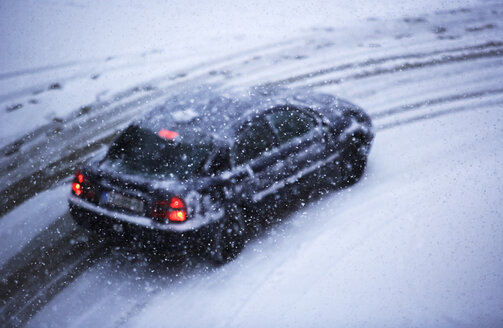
(141, 151)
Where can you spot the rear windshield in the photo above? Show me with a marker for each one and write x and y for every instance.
(141, 151)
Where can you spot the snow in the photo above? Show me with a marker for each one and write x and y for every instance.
(62, 31)
(417, 242)
(22, 224)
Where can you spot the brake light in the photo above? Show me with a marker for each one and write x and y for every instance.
(173, 210)
(179, 216)
(176, 203)
(82, 187)
(76, 188)
(167, 134)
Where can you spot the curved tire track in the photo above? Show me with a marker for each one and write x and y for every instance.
(382, 60)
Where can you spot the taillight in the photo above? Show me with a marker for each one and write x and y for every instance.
(179, 216)
(82, 186)
(173, 210)
(176, 203)
(77, 188)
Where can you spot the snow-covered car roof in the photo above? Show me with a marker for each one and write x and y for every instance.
(203, 111)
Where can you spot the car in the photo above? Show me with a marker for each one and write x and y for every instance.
(206, 170)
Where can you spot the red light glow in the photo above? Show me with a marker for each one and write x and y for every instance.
(80, 177)
(166, 134)
(77, 188)
(176, 203)
(177, 216)
(174, 210)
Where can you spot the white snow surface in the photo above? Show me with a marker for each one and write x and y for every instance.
(36, 33)
(417, 242)
(19, 226)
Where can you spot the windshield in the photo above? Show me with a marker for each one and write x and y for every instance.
(141, 151)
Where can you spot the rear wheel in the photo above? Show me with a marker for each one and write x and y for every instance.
(228, 238)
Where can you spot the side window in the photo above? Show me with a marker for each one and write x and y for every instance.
(290, 123)
(253, 139)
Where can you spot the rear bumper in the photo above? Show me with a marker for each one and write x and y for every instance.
(131, 229)
(140, 221)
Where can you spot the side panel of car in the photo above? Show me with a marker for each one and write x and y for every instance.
(301, 147)
(253, 155)
(312, 151)
(282, 152)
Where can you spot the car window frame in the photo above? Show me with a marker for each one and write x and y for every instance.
(315, 117)
(126, 139)
(246, 124)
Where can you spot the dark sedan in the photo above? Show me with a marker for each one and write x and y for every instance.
(205, 170)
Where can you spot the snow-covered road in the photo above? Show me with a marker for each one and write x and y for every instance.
(417, 242)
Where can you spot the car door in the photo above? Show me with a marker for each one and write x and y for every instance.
(279, 154)
(301, 148)
(254, 157)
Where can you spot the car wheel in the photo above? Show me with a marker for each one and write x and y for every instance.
(356, 159)
(228, 238)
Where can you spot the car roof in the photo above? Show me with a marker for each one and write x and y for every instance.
(202, 111)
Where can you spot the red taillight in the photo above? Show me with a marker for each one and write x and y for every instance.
(177, 216)
(174, 210)
(167, 134)
(77, 189)
(82, 186)
(176, 203)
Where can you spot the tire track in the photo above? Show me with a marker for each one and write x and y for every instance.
(45, 272)
(170, 74)
(406, 88)
(20, 312)
(37, 278)
(411, 66)
(69, 64)
(80, 113)
(48, 68)
(46, 177)
(385, 41)
(382, 60)
(434, 101)
(439, 113)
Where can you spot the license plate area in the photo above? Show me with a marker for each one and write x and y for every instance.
(128, 203)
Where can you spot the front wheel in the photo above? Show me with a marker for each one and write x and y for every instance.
(228, 238)
(356, 160)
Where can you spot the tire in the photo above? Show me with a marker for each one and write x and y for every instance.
(228, 238)
(356, 160)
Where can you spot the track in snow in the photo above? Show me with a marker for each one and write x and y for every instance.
(435, 71)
